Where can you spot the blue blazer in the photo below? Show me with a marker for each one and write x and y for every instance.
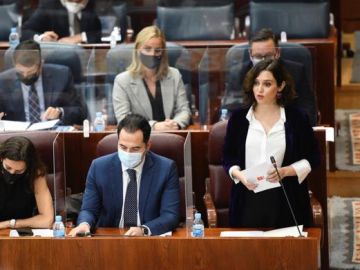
(159, 200)
(59, 91)
(300, 144)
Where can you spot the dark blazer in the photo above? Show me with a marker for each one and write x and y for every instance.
(159, 201)
(305, 95)
(58, 89)
(300, 144)
(54, 17)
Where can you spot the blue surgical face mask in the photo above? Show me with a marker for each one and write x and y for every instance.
(130, 160)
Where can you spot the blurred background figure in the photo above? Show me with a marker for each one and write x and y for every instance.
(65, 21)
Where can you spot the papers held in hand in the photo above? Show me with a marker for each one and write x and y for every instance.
(257, 175)
(283, 232)
(22, 126)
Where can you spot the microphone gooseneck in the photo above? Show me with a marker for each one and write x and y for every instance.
(287, 199)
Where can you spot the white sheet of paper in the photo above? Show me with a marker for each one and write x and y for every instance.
(43, 125)
(43, 232)
(166, 234)
(241, 234)
(283, 232)
(14, 125)
(36, 232)
(257, 175)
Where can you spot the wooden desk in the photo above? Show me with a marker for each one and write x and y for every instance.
(177, 252)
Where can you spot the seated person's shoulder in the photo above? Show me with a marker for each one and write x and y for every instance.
(124, 77)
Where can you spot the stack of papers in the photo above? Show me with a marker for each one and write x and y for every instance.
(283, 232)
(22, 126)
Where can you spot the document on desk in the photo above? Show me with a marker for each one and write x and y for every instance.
(257, 175)
(22, 126)
(36, 232)
(283, 232)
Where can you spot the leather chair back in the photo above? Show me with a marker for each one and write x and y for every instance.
(196, 22)
(50, 146)
(220, 182)
(165, 144)
(299, 19)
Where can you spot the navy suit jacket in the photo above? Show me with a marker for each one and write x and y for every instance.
(159, 200)
(300, 144)
(58, 89)
(305, 95)
(54, 17)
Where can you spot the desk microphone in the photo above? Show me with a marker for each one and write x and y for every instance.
(287, 199)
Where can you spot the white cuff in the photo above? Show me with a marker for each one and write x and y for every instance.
(85, 223)
(83, 37)
(235, 167)
(302, 169)
(38, 38)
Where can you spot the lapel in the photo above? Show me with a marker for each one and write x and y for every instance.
(147, 176)
(48, 86)
(17, 100)
(116, 180)
(138, 93)
(167, 93)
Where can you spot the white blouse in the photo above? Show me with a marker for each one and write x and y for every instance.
(260, 146)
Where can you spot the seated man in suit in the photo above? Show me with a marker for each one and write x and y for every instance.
(33, 91)
(133, 188)
(66, 21)
(264, 45)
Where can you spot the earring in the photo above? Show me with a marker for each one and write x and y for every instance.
(278, 95)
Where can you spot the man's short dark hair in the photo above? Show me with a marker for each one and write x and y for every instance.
(27, 53)
(133, 122)
(264, 35)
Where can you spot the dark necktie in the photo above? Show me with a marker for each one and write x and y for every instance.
(34, 106)
(130, 206)
(76, 24)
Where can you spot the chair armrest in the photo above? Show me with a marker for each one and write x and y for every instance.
(317, 212)
(210, 206)
(318, 215)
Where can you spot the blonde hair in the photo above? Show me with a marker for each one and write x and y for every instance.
(147, 33)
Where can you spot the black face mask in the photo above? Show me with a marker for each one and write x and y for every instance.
(150, 61)
(10, 178)
(29, 80)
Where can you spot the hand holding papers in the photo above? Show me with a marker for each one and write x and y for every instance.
(257, 175)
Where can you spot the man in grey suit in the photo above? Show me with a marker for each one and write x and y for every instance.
(34, 92)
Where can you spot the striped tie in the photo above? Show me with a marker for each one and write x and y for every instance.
(34, 106)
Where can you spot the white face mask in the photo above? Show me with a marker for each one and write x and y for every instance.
(256, 60)
(73, 7)
(130, 160)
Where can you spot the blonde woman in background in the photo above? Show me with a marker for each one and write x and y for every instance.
(150, 87)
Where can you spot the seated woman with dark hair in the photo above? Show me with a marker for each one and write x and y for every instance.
(25, 199)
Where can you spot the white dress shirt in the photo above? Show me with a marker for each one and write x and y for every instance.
(260, 146)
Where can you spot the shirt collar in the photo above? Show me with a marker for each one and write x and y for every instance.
(250, 114)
